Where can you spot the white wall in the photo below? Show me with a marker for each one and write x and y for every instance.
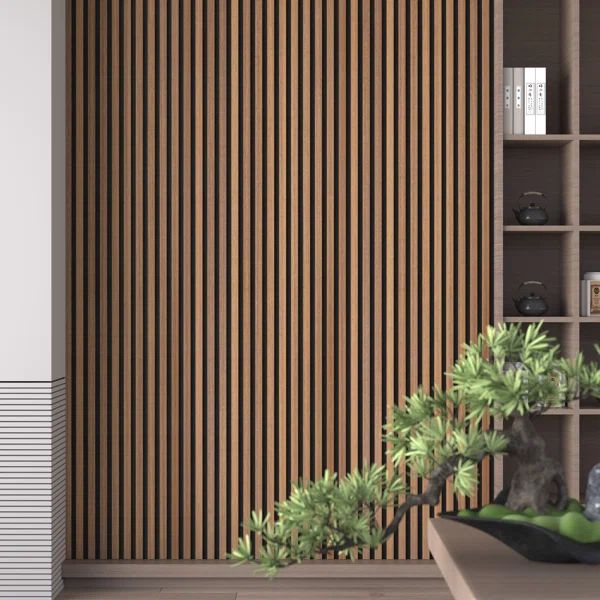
(32, 297)
(32, 189)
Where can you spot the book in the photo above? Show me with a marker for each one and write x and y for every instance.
(508, 100)
(540, 100)
(518, 119)
(529, 116)
(585, 298)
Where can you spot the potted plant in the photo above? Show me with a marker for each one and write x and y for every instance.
(508, 372)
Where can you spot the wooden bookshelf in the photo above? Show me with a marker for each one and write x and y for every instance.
(564, 164)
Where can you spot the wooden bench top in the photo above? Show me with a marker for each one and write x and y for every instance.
(477, 566)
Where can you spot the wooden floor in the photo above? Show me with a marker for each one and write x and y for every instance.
(366, 589)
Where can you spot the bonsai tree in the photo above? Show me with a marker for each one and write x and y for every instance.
(507, 372)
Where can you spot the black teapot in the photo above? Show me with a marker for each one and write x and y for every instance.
(531, 213)
(532, 304)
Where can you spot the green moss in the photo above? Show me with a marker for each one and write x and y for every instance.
(546, 521)
(570, 522)
(494, 511)
(576, 527)
(517, 517)
(574, 506)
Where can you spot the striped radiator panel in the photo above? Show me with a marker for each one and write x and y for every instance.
(32, 488)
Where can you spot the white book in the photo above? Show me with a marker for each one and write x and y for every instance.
(529, 117)
(540, 100)
(585, 298)
(518, 119)
(508, 100)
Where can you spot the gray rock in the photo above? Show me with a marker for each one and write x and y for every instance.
(592, 494)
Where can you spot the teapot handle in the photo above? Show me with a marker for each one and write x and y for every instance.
(533, 283)
(539, 195)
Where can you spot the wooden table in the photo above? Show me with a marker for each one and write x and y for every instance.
(476, 566)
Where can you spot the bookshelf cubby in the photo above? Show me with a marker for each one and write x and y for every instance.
(561, 35)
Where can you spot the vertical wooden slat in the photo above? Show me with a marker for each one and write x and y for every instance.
(103, 380)
(234, 275)
(90, 282)
(450, 289)
(128, 454)
(139, 279)
(461, 99)
(186, 316)
(473, 170)
(402, 325)
(354, 227)
(126, 289)
(199, 291)
(267, 200)
(306, 238)
(485, 202)
(211, 350)
(366, 399)
(247, 424)
(437, 195)
(281, 203)
(115, 312)
(79, 399)
(294, 303)
(329, 241)
(258, 190)
(377, 196)
(366, 234)
(437, 205)
(414, 235)
(318, 200)
(269, 258)
(151, 270)
(341, 222)
(390, 226)
(222, 201)
(175, 200)
(163, 292)
(426, 266)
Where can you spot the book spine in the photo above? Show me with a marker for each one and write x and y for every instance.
(508, 101)
(529, 83)
(518, 119)
(540, 100)
(585, 298)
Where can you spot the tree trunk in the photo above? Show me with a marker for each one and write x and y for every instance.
(539, 481)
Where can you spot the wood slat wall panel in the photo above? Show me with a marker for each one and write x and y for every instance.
(279, 225)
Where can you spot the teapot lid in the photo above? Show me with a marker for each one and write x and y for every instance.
(540, 283)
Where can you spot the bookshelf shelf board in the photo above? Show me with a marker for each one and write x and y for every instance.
(556, 139)
(545, 318)
(590, 228)
(539, 228)
(589, 320)
(590, 411)
(558, 411)
(589, 138)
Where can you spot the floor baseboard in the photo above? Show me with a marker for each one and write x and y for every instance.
(107, 573)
